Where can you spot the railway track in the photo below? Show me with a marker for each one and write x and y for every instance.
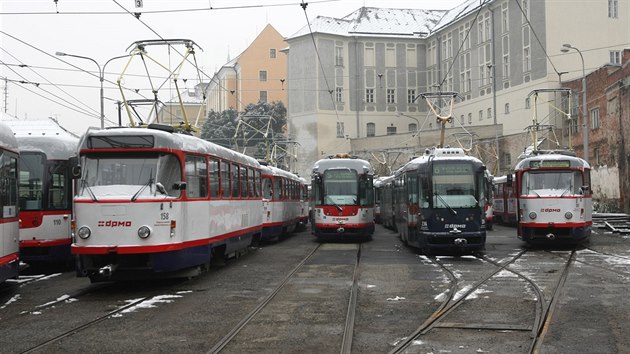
(348, 328)
(544, 306)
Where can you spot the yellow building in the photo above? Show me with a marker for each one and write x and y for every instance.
(258, 74)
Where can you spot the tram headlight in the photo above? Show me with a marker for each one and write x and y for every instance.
(84, 232)
(568, 215)
(144, 232)
(533, 215)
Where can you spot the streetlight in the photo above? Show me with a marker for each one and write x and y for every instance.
(101, 72)
(565, 49)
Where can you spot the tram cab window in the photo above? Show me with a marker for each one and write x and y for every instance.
(8, 186)
(196, 172)
(31, 181)
(58, 188)
(552, 183)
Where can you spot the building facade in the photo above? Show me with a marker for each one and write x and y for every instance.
(370, 70)
(258, 74)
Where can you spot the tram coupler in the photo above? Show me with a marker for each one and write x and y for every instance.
(461, 242)
(551, 236)
(341, 230)
(107, 270)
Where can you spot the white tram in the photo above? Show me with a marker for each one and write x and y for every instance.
(156, 201)
(343, 198)
(45, 196)
(283, 209)
(9, 223)
(554, 197)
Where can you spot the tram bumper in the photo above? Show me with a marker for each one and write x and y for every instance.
(461, 241)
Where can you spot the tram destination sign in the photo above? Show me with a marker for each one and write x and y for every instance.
(549, 163)
(452, 169)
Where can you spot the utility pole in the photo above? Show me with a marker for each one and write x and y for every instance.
(6, 95)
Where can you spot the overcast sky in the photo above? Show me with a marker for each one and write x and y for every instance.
(33, 30)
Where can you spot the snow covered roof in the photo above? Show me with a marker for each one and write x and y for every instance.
(370, 21)
(35, 127)
(383, 22)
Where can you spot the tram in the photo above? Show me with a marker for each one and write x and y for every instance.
(440, 201)
(9, 221)
(153, 201)
(343, 198)
(504, 200)
(282, 205)
(384, 189)
(45, 196)
(553, 191)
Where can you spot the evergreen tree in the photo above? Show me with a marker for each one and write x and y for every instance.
(220, 127)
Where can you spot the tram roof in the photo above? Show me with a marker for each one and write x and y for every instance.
(61, 147)
(171, 140)
(552, 160)
(383, 180)
(275, 171)
(359, 165)
(7, 140)
(438, 154)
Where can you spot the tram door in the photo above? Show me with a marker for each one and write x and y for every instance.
(411, 182)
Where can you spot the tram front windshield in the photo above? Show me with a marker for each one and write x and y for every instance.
(454, 185)
(552, 183)
(341, 187)
(130, 175)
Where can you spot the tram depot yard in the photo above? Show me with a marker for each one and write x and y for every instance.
(298, 295)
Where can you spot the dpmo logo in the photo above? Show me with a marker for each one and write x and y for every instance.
(113, 223)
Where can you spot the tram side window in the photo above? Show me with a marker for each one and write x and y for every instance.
(8, 186)
(250, 183)
(225, 179)
(243, 177)
(257, 185)
(277, 187)
(31, 187)
(366, 190)
(412, 188)
(196, 172)
(234, 177)
(58, 198)
(214, 178)
(266, 187)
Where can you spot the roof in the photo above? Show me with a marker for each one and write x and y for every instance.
(36, 127)
(370, 21)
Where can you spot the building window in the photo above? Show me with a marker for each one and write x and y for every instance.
(596, 157)
(412, 62)
(411, 95)
(461, 120)
(480, 114)
(489, 113)
(339, 94)
(339, 56)
(413, 127)
(391, 95)
(272, 53)
(615, 57)
(595, 123)
(505, 22)
(391, 130)
(507, 108)
(507, 159)
(263, 96)
(369, 56)
(369, 95)
(262, 75)
(390, 57)
(527, 103)
(613, 8)
(469, 118)
(527, 56)
(371, 129)
(340, 130)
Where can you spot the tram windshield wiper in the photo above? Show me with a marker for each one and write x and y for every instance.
(453, 211)
(143, 187)
(85, 185)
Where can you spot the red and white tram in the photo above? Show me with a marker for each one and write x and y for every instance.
(282, 193)
(343, 198)
(504, 200)
(554, 198)
(45, 196)
(156, 201)
(9, 223)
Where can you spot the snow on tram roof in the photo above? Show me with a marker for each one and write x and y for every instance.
(438, 154)
(7, 140)
(361, 166)
(275, 171)
(169, 140)
(551, 159)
